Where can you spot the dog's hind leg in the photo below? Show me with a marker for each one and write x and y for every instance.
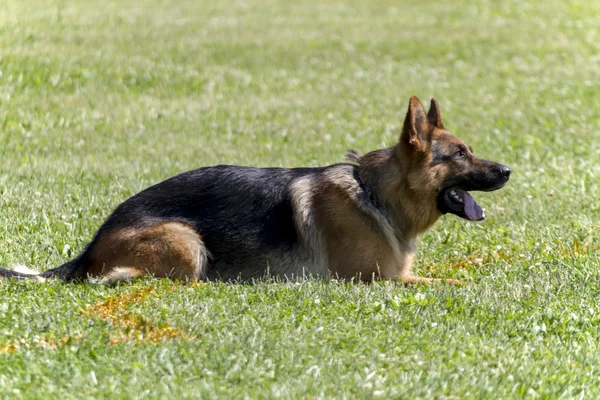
(171, 250)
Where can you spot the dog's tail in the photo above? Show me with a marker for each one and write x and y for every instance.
(69, 271)
(20, 273)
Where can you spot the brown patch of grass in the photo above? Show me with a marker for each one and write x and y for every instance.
(478, 259)
(9, 348)
(44, 341)
(578, 247)
(132, 328)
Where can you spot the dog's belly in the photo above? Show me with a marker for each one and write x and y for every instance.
(260, 264)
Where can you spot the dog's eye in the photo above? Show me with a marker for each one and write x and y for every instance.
(459, 154)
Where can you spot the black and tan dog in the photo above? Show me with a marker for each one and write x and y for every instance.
(356, 220)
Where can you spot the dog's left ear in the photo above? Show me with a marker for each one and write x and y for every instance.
(434, 115)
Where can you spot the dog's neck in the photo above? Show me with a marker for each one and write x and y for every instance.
(388, 178)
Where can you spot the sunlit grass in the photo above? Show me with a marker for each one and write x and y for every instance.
(99, 101)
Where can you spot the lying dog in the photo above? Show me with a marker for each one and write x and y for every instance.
(358, 220)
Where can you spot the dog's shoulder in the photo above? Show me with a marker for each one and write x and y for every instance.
(343, 176)
(343, 182)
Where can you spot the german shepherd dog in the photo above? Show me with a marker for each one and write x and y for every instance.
(358, 220)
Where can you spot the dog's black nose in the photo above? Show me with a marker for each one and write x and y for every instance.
(505, 171)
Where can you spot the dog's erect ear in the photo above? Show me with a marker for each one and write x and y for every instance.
(416, 124)
(434, 115)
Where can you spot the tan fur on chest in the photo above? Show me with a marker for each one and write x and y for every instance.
(357, 244)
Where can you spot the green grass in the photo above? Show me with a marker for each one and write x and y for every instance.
(101, 99)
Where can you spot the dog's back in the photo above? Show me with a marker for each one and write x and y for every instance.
(250, 222)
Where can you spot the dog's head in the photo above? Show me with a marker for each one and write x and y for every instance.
(442, 166)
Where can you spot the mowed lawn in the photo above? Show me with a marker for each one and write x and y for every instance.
(99, 100)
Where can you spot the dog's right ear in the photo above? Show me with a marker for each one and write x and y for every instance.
(434, 115)
(416, 124)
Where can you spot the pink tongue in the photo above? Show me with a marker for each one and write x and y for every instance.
(473, 211)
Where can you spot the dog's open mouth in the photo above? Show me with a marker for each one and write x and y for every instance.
(462, 204)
